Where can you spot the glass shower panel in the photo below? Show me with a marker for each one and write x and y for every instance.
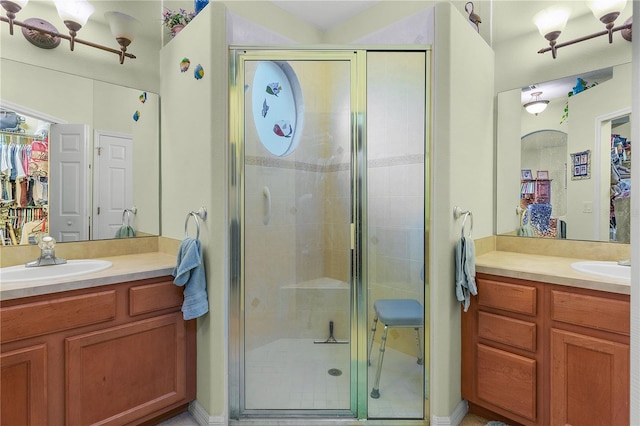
(297, 248)
(396, 115)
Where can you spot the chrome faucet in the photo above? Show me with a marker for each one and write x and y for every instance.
(625, 262)
(47, 253)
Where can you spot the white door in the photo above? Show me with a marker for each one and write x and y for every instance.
(69, 182)
(113, 183)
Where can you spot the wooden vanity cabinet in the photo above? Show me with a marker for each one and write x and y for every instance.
(115, 354)
(502, 349)
(590, 356)
(543, 354)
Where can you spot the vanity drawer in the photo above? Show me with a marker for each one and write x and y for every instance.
(591, 311)
(509, 331)
(154, 297)
(508, 381)
(38, 318)
(508, 297)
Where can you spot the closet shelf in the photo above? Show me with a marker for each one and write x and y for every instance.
(22, 135)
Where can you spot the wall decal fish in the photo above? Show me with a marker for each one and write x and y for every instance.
(198, 73)
(184, 65)
(283, 128)
(274, 88)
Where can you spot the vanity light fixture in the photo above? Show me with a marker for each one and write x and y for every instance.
(124, 28)
(536, 105)
(552, 21)
(74, 14)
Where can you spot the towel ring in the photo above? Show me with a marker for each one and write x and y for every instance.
(128, 214)
(467, 214)
(458, 213)
(201, 213)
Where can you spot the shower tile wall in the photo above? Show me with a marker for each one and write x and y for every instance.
(309, 221)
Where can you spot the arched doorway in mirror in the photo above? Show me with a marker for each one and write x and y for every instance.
(543, 186)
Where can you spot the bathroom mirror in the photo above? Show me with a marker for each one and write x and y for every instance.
(587, 125)
(106, 112)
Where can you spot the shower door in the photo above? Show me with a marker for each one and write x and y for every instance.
(295, 209)
(306, 161)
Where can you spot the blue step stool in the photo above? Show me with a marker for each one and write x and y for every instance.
(395, 313)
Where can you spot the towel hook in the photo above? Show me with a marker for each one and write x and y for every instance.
(458, 213)
(202, 214)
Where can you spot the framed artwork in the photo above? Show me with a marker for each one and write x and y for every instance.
(542, 174)
(581, 165)
(526, 174)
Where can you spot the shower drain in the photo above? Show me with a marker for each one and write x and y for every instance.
(335, 372)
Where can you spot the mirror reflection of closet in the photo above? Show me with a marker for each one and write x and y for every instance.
(619, 225)
(544, 153)
(24, 178)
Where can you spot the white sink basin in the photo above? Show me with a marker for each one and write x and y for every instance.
(21, 273)
(603, 268)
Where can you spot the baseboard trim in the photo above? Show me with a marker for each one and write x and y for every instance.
(203, 418)
(455, 418)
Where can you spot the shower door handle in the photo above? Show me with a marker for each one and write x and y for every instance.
(267, 205)
(353, 236)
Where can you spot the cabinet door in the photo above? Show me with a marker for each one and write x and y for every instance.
(121, 374)
(507, 380)
(589, 380)
(23, 384)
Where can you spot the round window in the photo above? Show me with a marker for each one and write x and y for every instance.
(277, 105)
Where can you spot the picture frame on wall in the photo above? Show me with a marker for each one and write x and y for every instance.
(525, 174)
(542, 174)
(581, 165)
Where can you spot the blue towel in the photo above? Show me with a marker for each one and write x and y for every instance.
(465, 271)
(189, 272)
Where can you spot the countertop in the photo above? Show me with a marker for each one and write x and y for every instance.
(548, 269)
(129, 267)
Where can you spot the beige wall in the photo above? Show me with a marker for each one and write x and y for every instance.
(194, 175)
(462, 176)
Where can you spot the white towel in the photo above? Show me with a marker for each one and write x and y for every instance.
(465, 271)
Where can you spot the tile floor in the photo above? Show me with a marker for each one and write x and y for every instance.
(294, 374)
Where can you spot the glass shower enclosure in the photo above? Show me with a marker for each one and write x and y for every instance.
(327, 213)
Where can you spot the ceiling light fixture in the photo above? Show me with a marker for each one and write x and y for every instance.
(75, 15)
(536, 105)
(551, 22)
